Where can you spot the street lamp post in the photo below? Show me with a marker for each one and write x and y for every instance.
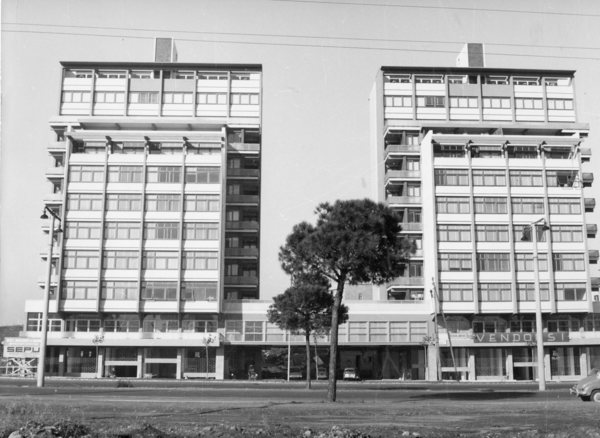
(44, 334)
(533, 227)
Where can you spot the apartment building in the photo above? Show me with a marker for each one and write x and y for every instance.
(470, 157)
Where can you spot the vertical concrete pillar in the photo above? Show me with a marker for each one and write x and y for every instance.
(62, 353)
(100, 363)
(220, 363)
(140, 363)
(433, 363)
(510, 375)
(471, 364)
(583, 362)
(547, 365)
(180, 355)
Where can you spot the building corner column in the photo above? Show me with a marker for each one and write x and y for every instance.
(220, 363)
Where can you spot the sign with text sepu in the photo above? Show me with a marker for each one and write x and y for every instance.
(21, 349)
(516, 337)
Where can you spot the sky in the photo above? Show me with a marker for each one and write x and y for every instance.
(319, 59)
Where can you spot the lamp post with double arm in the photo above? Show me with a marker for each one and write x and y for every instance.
(530, 232)
(44, 335)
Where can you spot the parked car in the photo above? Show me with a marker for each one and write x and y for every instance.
(588, 388)
(351, 374)
(321, 373)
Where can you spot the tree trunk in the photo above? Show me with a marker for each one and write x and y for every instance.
(333, 342)
(307, 335)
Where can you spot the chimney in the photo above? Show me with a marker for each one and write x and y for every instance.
(164, 50)
(471, 55)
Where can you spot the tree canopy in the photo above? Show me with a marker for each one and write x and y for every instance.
(353, 241)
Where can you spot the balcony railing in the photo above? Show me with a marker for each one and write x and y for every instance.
(402, 148)
(55, 172)
(245, 173)
(242, 199)
(241, 280)
(242, 225)
(411, 226)
(406, 281)
(241, 252)
(244, 147)
(403, 174)
(393, 199)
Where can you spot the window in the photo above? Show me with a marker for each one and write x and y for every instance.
(451, 177)
(141, 74)
(162, 324)
(199, 291)
(528, 103)
(522, 80)
(164, 174)
(75, 96)
(109, 97)
(448, 204)
(161, 260)
(568, 262)
(414, 269)
(191, 324)
(244, 98)
(570, 291)
(561, 178)
(203, 175)
(120, 259)
(125, 174)
(177, 97)
(80, 259)
(496, 80)
(159, 290)
(489, 177)
(357, 331)
(79, 290)
(83, 325)
(526, 291)
(397, 79)
(111, 74)
(119, 290)
(72, 73)
(558, 153)
(560, 104)
(524, 262)
(492, 233)
(463, 102)
(161, 230)
(456, 291)
(413, 216)
(455, 262)
(448, 150)
(86, 173)
(527, 205)
(564, 205)
(432, 79)
(82, 230)
(490, 205)
(530, 152)
(521, 230)
(84, 202)
(211, 76)
(454, 233)
(486, 151)
(398, 101)
(123, 202)
(405, 295)
(526, 178)
(411, 139)
(567, 233)
(458, 79)
(34, 322)
(201, 231)
(211, 98)
(200, 260)
(496, 102)
(413, 164)
(122, 230)
(493, 262)
(413, 190)
(431, 101)
(494, 292)
(253, 330)
(145, 97)
(163, 202)
(122, 323)
(202, 203)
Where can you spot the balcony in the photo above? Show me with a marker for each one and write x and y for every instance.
(402, 149)
(242, 226)
(411, 200)
(586, 153)
(591, 229)
(402, 174)
(411, 226)
(241, 252)
(593, 255)
(243, 199)
(241, 280)
(243, 147)
(406, 281)
(243, 173)
(55, 172)
(587, 178)
(590, 204)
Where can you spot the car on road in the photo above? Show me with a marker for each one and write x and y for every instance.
(295, 373)
(351, 374)
(588, 388)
